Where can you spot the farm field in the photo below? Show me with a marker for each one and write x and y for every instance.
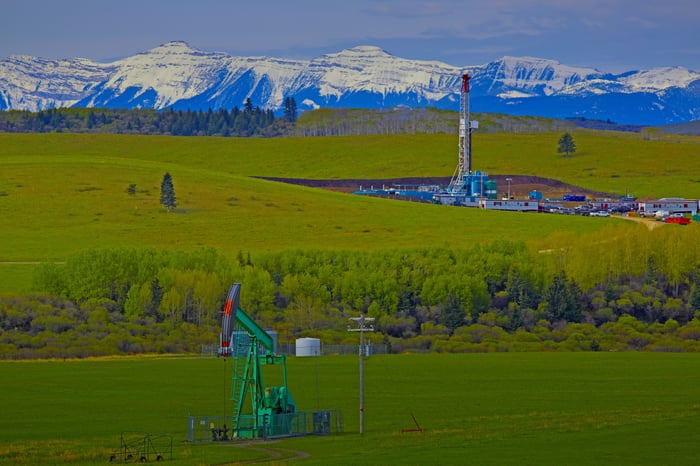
(499, 408)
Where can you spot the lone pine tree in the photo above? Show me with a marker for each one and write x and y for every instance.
(566, 144)
(167, 192)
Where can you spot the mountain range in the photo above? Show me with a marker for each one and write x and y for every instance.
(175, 75)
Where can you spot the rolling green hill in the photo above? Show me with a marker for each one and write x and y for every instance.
(60, 193)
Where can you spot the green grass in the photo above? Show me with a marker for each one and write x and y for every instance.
(501, 408)
(16, 277)
(64, 193)
(604, 161)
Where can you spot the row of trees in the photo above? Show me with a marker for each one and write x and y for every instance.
(41, 326)
(253, 121)
(423, 296)
(401, 120)
(250, 121)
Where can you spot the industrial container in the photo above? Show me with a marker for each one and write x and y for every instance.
(308, 347)
(490, 189)
(476, 186)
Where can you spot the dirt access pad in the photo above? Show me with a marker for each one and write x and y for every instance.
(520, 186)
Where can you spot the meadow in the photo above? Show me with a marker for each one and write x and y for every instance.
(499, 409)
(62, 193)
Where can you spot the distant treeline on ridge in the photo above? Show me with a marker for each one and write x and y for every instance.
(255, 122)
(251, 121)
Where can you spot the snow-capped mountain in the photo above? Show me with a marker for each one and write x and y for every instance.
(174, 75)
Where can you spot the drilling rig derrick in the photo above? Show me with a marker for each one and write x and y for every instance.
(464, 164)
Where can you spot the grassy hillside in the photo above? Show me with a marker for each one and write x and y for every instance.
(62, 193)
(608, 162)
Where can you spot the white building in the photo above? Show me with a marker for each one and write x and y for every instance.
(516, 205)
(688, 206)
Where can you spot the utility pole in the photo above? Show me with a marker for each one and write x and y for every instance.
(364, 324)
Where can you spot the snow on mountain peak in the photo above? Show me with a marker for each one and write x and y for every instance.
(31, 83)
(371, 69)
(175, 74)
(529, 73)
(172, 47)
(174, 71)
(660, 78)
(363, 51)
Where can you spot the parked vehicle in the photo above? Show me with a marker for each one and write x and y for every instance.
(678, 220)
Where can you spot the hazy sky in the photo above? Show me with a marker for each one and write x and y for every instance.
(611, 35)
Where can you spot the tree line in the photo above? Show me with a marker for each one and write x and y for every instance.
(403, 120)
(250, 121)
(621, 290)
(253, 121)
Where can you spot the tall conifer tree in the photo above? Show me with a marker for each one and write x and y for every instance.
(167, 192)
(566, 144)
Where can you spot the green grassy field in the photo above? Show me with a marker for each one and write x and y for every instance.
(62, 193)
(502, 408)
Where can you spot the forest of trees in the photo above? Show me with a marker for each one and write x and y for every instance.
(402, 120)
(633, 290)
(251, 121)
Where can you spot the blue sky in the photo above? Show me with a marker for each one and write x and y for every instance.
(611, 35)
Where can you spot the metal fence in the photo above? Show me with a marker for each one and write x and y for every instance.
(290, 349)
(218, 428)
(353, 349)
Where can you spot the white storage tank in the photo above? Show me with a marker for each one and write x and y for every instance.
(308, 347)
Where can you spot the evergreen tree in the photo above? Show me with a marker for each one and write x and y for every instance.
(566, 144)
(290, 109)
(156, 298)
(557, 298)
(167, 192)
(694, 299)
(521, 290)
(248, 106)
(452, 315)
(574, 309)
(90, 120)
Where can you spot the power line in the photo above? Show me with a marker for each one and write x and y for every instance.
(364, 324)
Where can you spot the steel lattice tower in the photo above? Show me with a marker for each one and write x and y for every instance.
(464, 164)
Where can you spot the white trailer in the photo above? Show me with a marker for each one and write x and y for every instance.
(516, 205)
(670, 206)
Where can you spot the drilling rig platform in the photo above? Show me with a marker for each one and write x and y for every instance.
(467, 188)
